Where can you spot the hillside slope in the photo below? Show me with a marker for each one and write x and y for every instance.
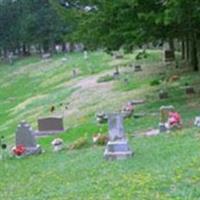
(163, 167)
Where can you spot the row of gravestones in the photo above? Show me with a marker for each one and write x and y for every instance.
(117, 146)
(189, 90)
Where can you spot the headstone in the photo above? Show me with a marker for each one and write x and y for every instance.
(118, 55)
(116, 73)
(74, 73)
(50, 125)
(117, 146)
(189, 90)
(138, 68)
(163, 94)
(137, 102)
(25, 136)
(168, 56)
(46, 56)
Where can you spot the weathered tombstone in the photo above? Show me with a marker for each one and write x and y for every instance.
(163, 94)
(137, 68)
(137, 102)
(168, 56)
(116, 73)
(117, 146)
(46, 56)
(189, 90)
(50, 125)
(25, 136)
(118, 55)
(74, 73)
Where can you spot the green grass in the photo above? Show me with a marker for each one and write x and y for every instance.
(164, 167)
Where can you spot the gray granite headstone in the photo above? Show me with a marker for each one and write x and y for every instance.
(116, 129)
(117, 146)
(50, 125)
(25, 136)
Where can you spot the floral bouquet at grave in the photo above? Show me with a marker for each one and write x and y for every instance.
(19, 150)
(57, 144)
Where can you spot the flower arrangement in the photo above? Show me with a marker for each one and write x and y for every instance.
(57, 144)
(19, 150)
(100, 139)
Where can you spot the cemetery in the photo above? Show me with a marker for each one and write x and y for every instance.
(93, 111)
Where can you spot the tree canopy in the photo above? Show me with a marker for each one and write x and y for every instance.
(101, 24)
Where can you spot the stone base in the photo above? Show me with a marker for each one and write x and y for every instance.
(162, 128)
(33, 150)
(46, 133)
(117, 150)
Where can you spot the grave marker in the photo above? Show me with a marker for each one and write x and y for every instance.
(168, 56)
(117, 146)
(25, 136)
(50, 125)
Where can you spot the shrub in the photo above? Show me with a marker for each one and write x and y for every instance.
(79, 143)
(105, 78)
(154, 82)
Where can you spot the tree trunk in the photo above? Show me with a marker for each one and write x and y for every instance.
(187, 49)
(183, 49)
(171, 47)
(24, 50)
(5, 53)
(194, 53)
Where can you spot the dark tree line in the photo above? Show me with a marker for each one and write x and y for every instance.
(129, 23)
(100, 24)
(26, 23)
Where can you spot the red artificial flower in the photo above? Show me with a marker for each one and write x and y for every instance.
(174, 118)
(19, 150)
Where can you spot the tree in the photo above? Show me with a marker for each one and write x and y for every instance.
(134, 22)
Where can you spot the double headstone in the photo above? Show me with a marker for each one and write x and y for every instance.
(25, 136)
(117, 146)
(50, 125)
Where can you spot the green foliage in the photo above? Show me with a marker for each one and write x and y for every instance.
(155, 82)
(25, 23)
(163, 167)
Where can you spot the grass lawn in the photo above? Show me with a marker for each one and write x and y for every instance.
(164, 167)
